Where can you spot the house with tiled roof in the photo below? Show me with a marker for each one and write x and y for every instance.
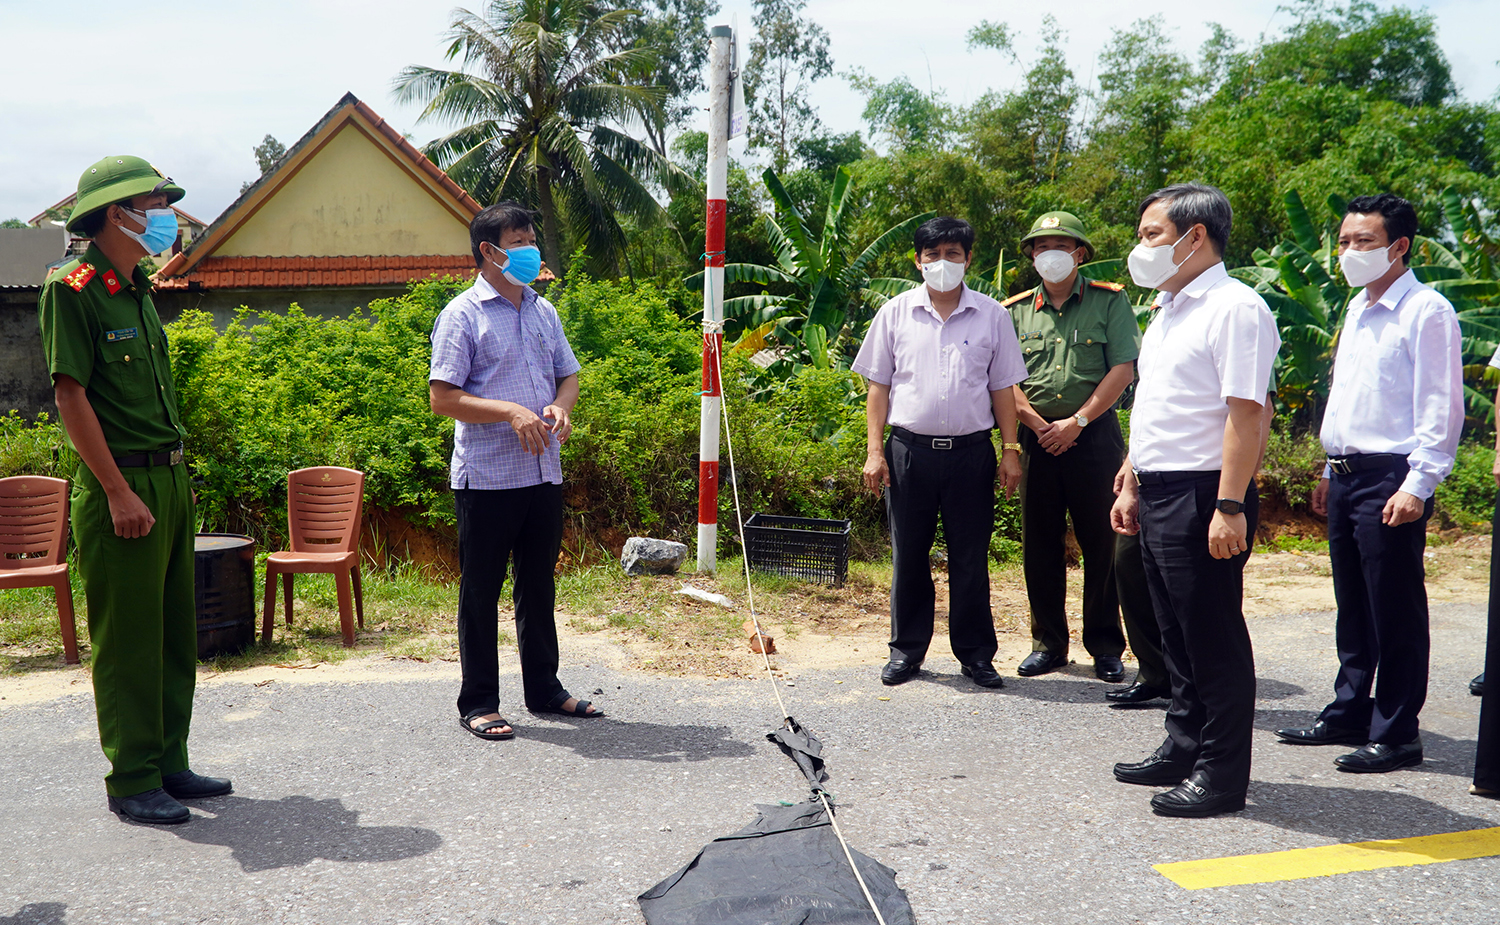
(351, 213)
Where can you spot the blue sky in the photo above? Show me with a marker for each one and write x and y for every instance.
(193, 87)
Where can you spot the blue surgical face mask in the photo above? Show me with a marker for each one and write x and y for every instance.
(522, 264)
(161, 228)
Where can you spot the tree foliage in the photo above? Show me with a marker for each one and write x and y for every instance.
(789, 52)
(542, 99)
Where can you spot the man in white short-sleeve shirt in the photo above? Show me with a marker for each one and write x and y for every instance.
(1391, 430)
(1195, 437)
(940, 361)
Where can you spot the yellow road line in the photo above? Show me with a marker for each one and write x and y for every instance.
(1301, 863)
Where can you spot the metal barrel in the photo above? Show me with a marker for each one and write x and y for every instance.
(224, 593)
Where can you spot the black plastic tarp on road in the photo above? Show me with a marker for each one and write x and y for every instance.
(784, 868)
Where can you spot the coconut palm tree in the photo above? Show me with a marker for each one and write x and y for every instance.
(542, 98)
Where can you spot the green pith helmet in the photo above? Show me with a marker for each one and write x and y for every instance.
(116, 179)
(1057, 224)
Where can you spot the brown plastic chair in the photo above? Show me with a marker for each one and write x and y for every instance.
(34, 543)
(323, 515)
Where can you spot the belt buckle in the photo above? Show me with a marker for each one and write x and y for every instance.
(1339, 465)
(174, 457)
(942, 443)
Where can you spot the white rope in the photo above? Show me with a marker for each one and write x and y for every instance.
(739, 517)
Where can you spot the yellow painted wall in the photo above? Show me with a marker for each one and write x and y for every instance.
(349, 199)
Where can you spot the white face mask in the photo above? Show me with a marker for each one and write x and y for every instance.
(1361, 268)
(943, 275)
(1152, 266)
(1054, 266)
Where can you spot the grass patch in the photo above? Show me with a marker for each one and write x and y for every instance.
(1288, 542)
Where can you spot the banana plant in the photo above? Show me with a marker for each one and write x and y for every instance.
(819, 300)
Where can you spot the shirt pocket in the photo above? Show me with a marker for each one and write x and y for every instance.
(977, 355)
(1034, 351)
(126, 367)
(1087, 352)
(1383, 368)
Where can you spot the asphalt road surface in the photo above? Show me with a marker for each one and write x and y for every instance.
(365, 803)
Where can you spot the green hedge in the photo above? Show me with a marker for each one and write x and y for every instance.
(277, 392)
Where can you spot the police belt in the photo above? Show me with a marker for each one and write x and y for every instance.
(165, 458)
(1360, 462)
(939, 443)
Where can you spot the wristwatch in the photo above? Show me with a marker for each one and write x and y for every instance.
(1230, 506)
(1010, 446)
(1081, 419)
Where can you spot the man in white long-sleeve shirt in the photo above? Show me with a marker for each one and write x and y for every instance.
(1390, 429)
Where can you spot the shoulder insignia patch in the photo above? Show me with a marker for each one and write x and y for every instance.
(80, 277)
(111, 282)
(1017, 297)
(1112, 287)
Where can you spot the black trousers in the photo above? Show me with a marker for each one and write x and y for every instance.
(959, 486)
(1138, 614)
(1487, 756)
(1198, 601)
(496, 527)
(1077, 484)
(1379, 586)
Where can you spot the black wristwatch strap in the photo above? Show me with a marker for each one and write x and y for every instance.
(1230, 506)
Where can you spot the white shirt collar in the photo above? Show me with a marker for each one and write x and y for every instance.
(965, 300)
(1392, 297)
(1203, 282)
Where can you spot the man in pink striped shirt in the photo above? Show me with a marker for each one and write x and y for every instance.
(940, 361)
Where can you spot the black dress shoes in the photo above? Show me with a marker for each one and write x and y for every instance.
(1040, 662)
(1476, 686)
(185, 785)
(1109, 668)
(1378, 757)
(153, 807)
(899, 671)
(984, 674)
(1137, 693)
(1155, 771)
(1320, 733)
(1195, 798)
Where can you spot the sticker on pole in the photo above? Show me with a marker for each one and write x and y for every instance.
(738, 115)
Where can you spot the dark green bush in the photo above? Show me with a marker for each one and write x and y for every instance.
(1466, 498)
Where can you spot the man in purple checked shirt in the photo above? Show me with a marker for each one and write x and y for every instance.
(502, 368)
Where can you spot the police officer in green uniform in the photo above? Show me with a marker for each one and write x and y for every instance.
(132, 508)
(1080, 340)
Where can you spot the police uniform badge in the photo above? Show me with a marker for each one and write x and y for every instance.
(80, 277)
(1051, 221)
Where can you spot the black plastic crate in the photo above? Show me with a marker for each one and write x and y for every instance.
(799, 547)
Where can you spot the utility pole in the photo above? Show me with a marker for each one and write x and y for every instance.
(721, 40)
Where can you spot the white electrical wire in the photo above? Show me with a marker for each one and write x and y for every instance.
(739, 517)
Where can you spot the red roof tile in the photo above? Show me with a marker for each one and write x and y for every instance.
(290, 272)
(297, 272)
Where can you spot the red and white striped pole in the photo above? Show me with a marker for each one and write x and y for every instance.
(720, 39)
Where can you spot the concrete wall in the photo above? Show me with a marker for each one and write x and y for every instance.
(352, 197)
(24, 383)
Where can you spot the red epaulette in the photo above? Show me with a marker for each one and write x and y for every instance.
(111, 282)
(1016, 298)
(80, 277)
(1112, 287)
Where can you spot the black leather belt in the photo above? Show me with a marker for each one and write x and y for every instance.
(1360, 462)
(165, 458)
(1174, 477)
(939, 443)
